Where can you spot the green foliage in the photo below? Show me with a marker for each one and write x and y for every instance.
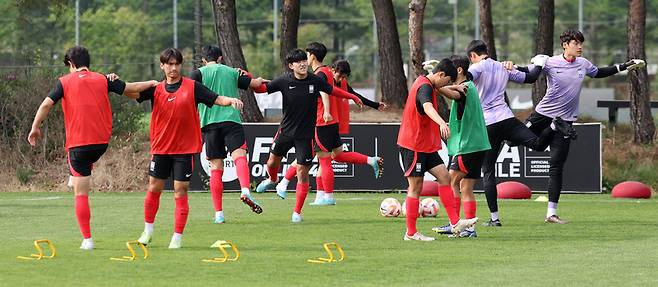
(24, 174)
(582, 253)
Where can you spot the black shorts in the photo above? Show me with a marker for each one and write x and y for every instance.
(162, 165)
(81, 159)
(223, 137)
(303, 148)
(417, 163)
(468, 163)
(327, 138)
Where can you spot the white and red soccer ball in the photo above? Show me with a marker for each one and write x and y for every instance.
(390, 207)
(429, 207)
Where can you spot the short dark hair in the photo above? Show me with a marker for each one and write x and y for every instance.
(171, 53)
(317, 49)
(295, 55)
(211, 53)
(342, 67)
(571, 34)
(460, 62)
(478, 47)
(77, 55)
(446, 66)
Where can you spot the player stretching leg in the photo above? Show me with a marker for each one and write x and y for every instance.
(341, 71)
(88, 125)
(300, 91)
(222, 128)
(565, 74)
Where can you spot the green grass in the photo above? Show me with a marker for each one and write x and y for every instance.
(609, 242)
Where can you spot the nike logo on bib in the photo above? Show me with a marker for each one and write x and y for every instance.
(292, 87)
(188, 174)
(171, 99)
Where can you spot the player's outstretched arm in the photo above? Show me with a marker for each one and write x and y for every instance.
(343, 94)
(137, 87)
(228, 101)
(42, 114)
(611, 70)
(375, 105)
(429, 110)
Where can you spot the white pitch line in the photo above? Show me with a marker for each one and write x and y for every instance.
(32, 199)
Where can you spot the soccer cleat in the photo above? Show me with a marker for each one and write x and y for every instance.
(264, 185)
(446, 229)
(175, 243)
(281, 190)
(493, 223)
(468, 233)
(145, 238)
(378, 167)
(324, 201)
(566, 129)
(555, 219)
(418, 237)
(87, 244)
(249, 201)
(296, 217)
(219, 218)
(463, 224)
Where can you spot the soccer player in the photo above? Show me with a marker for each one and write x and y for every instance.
(419, 140)
(221, 126)
(565, 74)
(88, 125)
(300, 91)
(490, 78)
(175, 139)
(467, 145)
(339, 73)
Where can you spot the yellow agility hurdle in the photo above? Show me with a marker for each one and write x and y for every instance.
(41, 255)
(331, 258)
(222, 245)
(133, 254)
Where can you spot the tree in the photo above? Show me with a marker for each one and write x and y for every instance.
(544, 43)
(289, 25)
(391, 74)
(486, 26)
(229, 42)
(198, 33)
(641, 118)
(416, 16)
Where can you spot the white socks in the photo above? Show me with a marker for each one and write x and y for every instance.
(494, 216)
(148, 227)
(552, 209)
(245, 190)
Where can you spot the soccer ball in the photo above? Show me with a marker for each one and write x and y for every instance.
(429, 207)
(404, 209)
(390, 207)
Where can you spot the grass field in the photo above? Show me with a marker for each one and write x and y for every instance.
(610, 242)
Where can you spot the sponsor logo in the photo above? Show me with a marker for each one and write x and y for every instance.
(311, 89)
(152, 166)
(188, 174)
(419, 167)
(171, 99)
(291, 87)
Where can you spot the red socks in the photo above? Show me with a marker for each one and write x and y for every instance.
(242, 168)
(272, 172)
(458, 204)
(327, 174)
(151, 205)
(300, 194)
(469, 209)
(291, 172)
(351, 157)
(412, 215)
(216, 188)
(448, 200)
(180, 214)
(83, 214)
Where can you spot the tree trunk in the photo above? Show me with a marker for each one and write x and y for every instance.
(641, 118)
(544, 43)
(486, 27)
(289, 24)
(416, 16)
(391, 74)
(229, 42)
(198, 33)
